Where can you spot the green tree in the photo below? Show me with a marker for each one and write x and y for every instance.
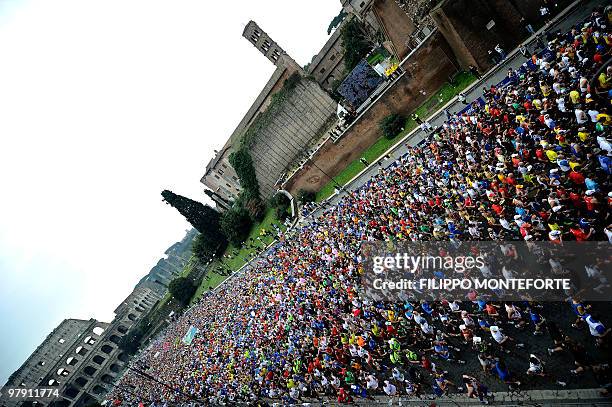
(252, 203)
(243, 164)
(336, 21)
(392, 125)
(205, 247)
(202, 217)
(305, 196)
(236, 224)
(280, 202)
(182, 289)
(355, 44)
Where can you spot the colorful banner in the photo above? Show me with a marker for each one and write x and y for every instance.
(191, 333)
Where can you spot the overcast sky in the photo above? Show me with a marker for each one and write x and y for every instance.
(103, 104)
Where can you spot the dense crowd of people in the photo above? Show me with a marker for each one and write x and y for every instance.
(532, 162)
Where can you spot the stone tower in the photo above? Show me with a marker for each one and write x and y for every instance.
(263, 43)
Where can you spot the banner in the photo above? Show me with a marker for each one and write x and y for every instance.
(191, 333)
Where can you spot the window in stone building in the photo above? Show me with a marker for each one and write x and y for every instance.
(333, 57)
(98, 359)
(41, 363)
(322, 70)
(71, 392)
(81, 351)
(98, 389)
(62, 340)
(98, 330)
(71, 361)
(266, 45)
(89, 370)
(81, 381)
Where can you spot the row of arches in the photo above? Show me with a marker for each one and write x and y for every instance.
(96, 363)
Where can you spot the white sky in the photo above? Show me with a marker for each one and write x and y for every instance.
(103, 104)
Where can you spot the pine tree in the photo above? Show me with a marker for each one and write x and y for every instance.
(202, 217)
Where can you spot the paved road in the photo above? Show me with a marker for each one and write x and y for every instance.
(493, 77)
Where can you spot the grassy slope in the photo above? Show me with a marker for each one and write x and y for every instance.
(376, 150)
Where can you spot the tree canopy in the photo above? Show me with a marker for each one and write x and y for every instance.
(355, 44)
(392, 125)
(131, 341)
(182, 289)
(336, 21)
(202, 217)
(205, 247)
(205, 219)
(236, 224)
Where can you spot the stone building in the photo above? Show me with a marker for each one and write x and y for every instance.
(221, 178)
(474, 27)
(81, 357)
(174, 262)
(282, 139)
(328, 65)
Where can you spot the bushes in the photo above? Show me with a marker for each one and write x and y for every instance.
(236, 224)
(355, 44)
(392, 125)
(280, 203)
(206, 247)
(182, 289)
(248, 199)
(243, 164)
(305, 196)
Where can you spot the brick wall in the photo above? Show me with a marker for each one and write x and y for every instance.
(289, 133)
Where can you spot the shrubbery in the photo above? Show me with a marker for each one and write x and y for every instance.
(280, 202)
(392, 125)
(305, 196)
(182, 289)
(236, 224)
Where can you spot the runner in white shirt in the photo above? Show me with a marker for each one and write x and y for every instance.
(371, 382)
(389, 388)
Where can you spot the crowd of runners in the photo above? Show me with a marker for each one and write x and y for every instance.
(531, 163)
